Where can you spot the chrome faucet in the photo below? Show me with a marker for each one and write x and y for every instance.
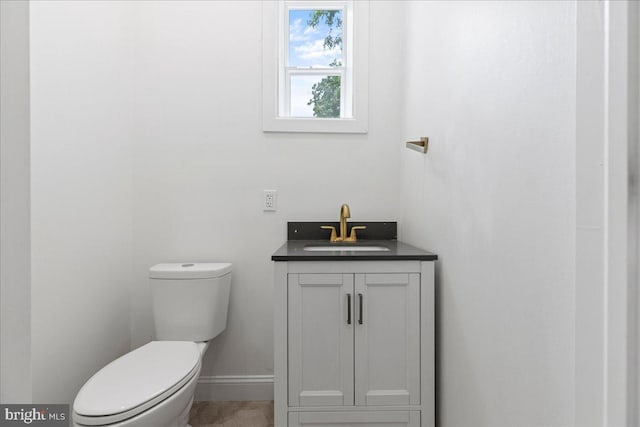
(345, 213)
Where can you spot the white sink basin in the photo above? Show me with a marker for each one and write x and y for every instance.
(345, 248)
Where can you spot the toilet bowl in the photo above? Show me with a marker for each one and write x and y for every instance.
(154, 385)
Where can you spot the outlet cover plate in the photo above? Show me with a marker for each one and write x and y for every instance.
(270, 201)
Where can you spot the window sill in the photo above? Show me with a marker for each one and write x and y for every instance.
(313, 125)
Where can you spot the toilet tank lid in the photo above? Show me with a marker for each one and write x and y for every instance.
(189, 270)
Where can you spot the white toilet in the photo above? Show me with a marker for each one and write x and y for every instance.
(154, 384)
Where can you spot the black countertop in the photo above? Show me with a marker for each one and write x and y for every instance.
(293, 250)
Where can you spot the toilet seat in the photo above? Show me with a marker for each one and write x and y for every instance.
(136, 382)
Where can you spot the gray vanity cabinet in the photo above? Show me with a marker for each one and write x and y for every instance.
(320, 340)
(355, 419)
(354, 343)
(387, 342)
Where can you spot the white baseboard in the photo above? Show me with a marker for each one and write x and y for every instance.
(234, 387)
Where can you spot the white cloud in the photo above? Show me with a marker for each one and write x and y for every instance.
(316, 53)
(299, 31)
(310, 31)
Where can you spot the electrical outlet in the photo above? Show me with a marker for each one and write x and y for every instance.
(270, 202)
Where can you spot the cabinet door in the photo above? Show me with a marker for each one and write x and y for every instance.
(355, 419)
(387, 350)
(320, 339)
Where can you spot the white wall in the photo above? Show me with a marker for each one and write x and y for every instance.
(493, 86)
(634, 211)
(201, 161)
(636, 174)
(15, 306)
(172, 92)
(151, 111)
(81, 97)
(606, 165)
(590, 238)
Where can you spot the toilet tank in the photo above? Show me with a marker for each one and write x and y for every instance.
(190, 300)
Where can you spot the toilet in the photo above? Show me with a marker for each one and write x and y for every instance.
(154, 385)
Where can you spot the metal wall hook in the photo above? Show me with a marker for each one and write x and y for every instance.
(420, 146)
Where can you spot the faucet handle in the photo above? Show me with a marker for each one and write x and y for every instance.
(352, 236)
(334, 236)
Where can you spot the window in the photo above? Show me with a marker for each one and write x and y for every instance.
(315, 66)
(315, 72)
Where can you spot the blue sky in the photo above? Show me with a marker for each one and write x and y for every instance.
(306, 43)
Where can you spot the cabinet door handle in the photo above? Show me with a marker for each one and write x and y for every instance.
(360, 309)
(348, 309)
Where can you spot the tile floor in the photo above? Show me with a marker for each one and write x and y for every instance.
(232, 414)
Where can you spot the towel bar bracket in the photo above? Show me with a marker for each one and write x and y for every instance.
(420, 146)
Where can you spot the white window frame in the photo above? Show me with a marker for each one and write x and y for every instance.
(354, 72)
